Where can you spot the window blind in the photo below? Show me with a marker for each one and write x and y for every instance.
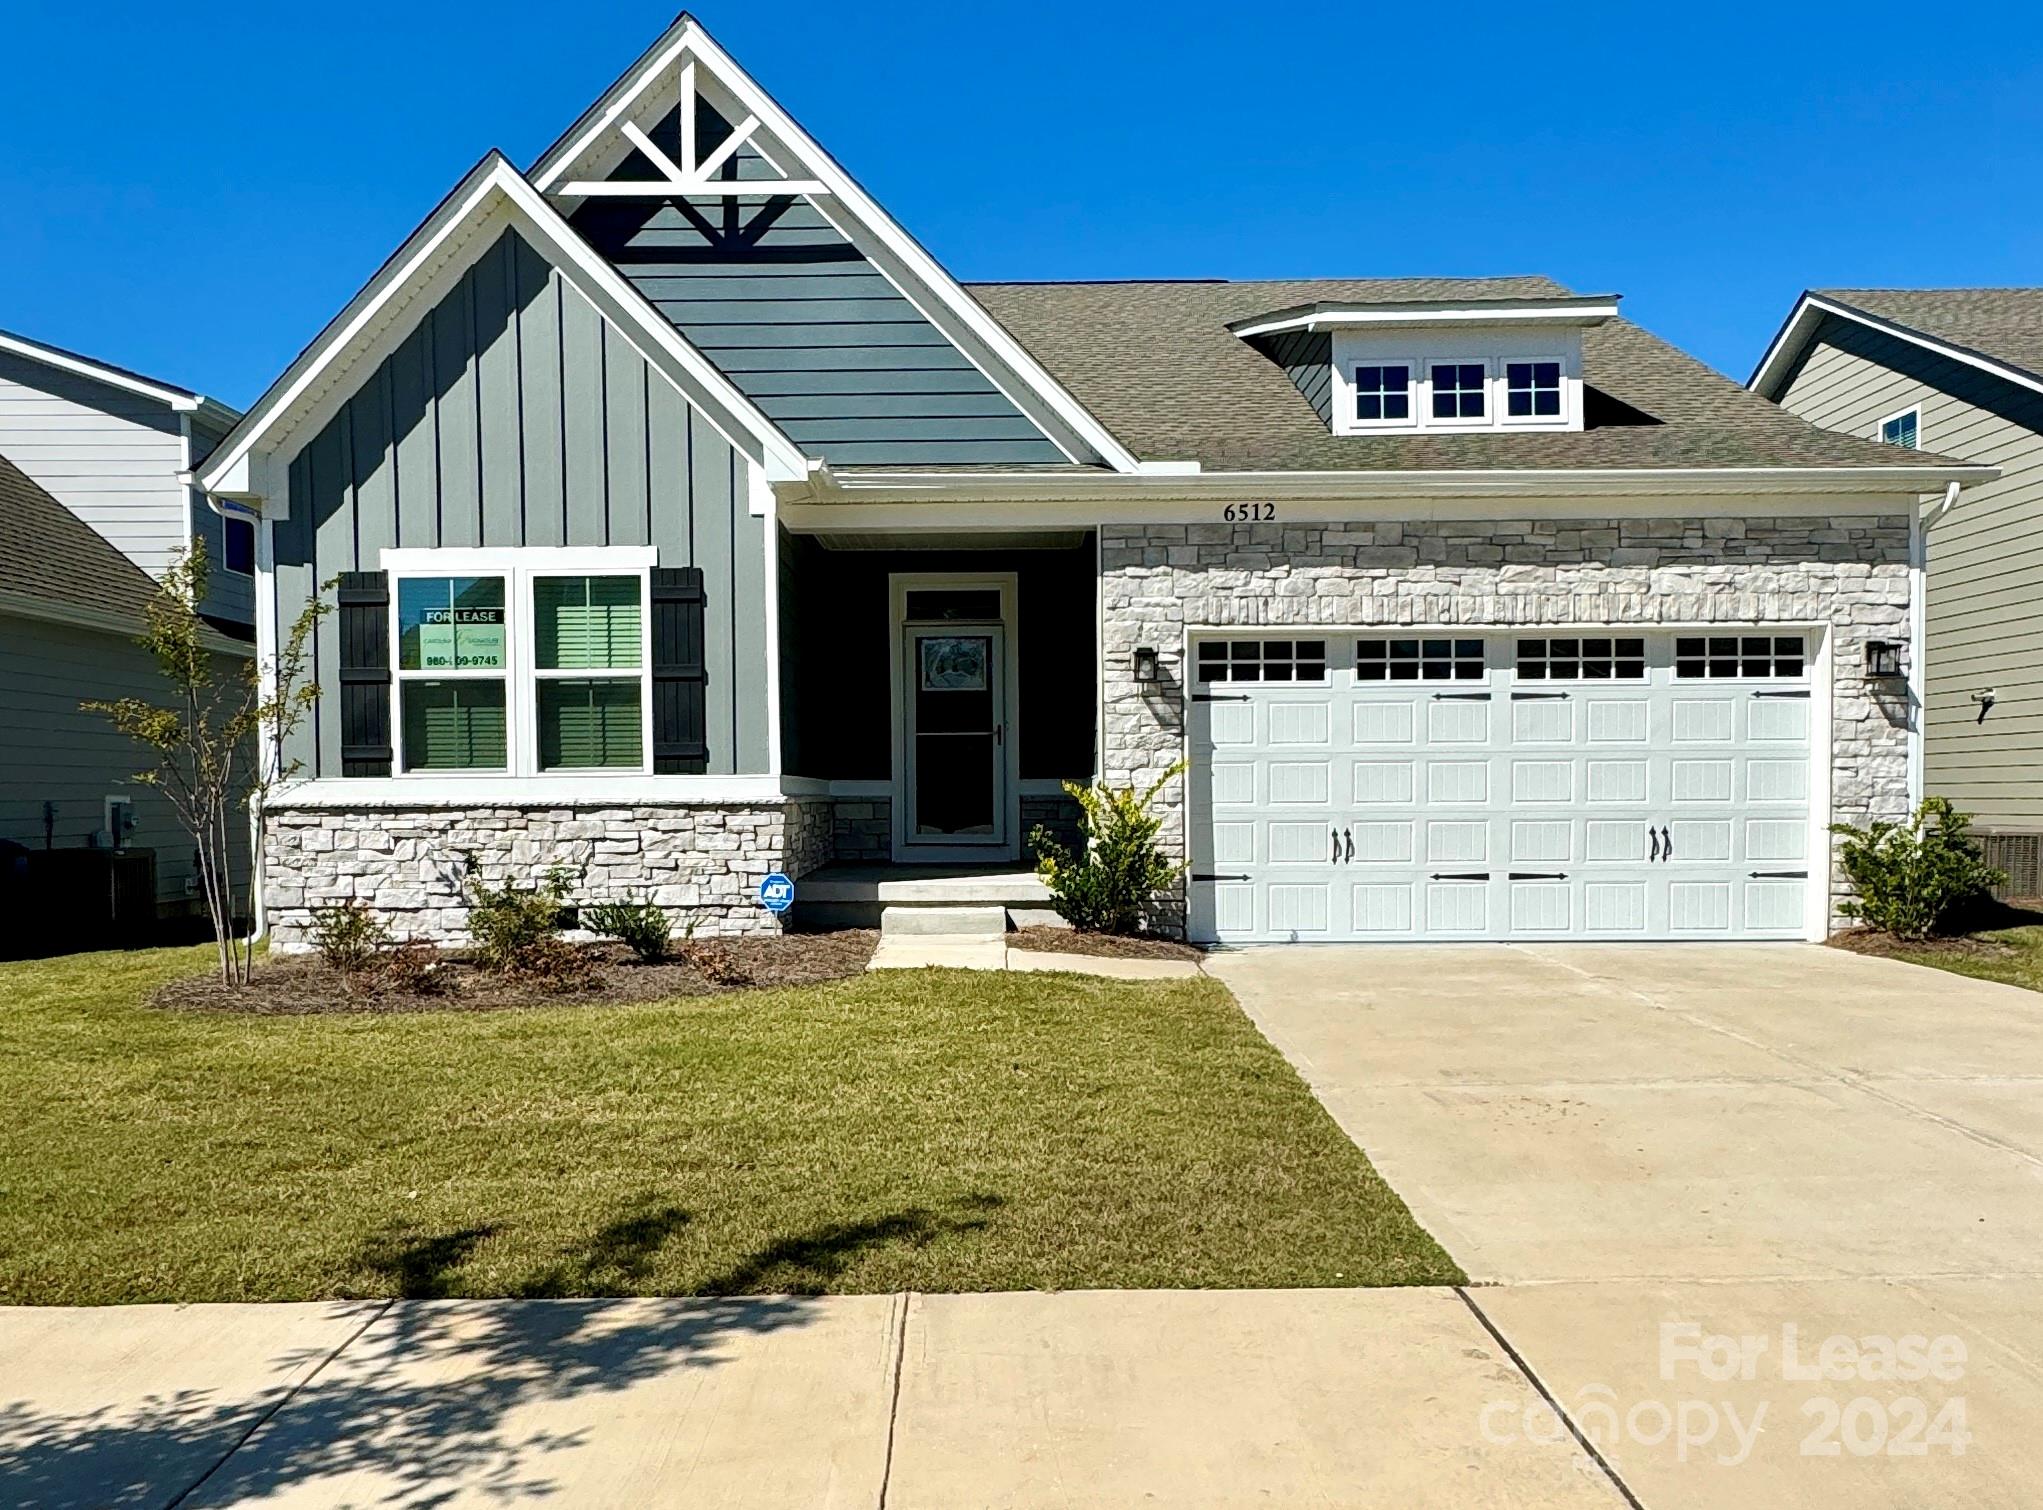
(588, 623)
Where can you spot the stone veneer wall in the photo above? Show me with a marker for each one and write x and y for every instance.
(863, 829)
(701, 862)
(1849, 572)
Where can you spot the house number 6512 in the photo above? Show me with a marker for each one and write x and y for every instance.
(1249, 513)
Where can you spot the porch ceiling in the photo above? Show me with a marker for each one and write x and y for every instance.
(951, 540)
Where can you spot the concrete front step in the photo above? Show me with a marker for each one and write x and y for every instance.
(929, 920)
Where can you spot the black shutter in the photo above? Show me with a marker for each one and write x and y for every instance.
(680, 673)
(364, 600)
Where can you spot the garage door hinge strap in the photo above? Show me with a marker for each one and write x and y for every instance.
(1537, 875)
(1220, 697)
(1782, 692)
(1460, 875)
(1461, 697)
(1779, 875)
(1219, 878)
(1538, 697)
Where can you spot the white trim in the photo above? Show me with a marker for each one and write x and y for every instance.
(899, 585)
(460, 559)
(1880, 428)
(497, 790)
(761, 500)
(1808, 313)
(494, 195)
(1580, 310)
(268, 755)
(692, 42)
(182, 400)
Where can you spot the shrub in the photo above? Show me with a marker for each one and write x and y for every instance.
(1107, 888)
(349, 936)
(711, 960)
(413, 969)
(1915, 878)
(640, 925)
(517, 928)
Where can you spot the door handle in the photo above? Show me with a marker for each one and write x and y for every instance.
(1335, 835)
(1654, 854)
(1348, 838)
(1000, 734)
(1666, 843)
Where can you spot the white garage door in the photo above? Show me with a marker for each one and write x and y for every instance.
(1500, 786)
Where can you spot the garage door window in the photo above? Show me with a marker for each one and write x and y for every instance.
(1418, 660)
(1723, 656)
(1584, 660)
(1263, 661)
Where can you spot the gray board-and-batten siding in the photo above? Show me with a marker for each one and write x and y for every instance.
(514, 415)
(802, 322)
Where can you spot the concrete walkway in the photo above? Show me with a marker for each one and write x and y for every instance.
(1659, 1152)
(937, 951)
(1182, 1398)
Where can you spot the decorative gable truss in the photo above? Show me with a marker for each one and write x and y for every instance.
(773, 261)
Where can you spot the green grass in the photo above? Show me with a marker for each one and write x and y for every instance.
(2014, 956)
(931, 1131)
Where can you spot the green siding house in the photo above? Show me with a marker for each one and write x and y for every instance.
(1958, 372)
(688, 522)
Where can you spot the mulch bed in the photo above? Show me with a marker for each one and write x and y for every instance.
(303, 984)
(1886, 946)
(1102, 945)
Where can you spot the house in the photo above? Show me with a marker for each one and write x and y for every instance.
(116, 449)
(86, 855)
(1957, 371)
(689, 522)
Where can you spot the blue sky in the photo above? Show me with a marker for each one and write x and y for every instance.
(193, 193)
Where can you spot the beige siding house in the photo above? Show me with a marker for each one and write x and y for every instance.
(1958, 372)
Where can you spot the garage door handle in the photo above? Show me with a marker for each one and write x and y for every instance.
(1348, 838)
(1336, 836)
(1460, 875)
(1653, 836)
(1666, 843)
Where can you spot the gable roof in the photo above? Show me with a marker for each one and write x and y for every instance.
(844, 201)
(490, 195)
(181, 400)
(1159, 365)
(51, 557)
(1999, 330)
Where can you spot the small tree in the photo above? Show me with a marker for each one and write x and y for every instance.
(206, 739)
(1118, 872)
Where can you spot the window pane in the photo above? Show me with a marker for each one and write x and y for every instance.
(587, 623)
(238, 546)
(454, 726)
(1397, 406)
(588, 725)
(450, 624)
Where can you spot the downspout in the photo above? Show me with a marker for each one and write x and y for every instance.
(1919, 527)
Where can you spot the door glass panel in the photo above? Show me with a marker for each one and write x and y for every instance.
(954, 605)
(955, 745)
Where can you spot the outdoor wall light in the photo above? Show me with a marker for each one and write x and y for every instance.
(1883, 661)
(1145, 664)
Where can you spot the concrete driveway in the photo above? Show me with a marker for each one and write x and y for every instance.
(1655, 1152)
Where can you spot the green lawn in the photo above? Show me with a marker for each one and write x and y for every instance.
(930, 1131)
(2013, 954)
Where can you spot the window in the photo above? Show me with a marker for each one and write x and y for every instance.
(238, 547)
(453, 655)
(1532, 390)
(1900, 429)
(1587, 660)
(1732, 655)
(1383, 393)
(1458, 390)
(1418, 660)
(1262, 660)
(587, 630)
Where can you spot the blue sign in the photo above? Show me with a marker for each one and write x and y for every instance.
(776, 893)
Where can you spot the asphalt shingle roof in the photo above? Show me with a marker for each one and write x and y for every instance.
(2005, 324)
(1159, 367)
(48, 552)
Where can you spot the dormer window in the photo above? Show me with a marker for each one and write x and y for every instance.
(1532, 390)
(1460, 390)
(1383, 392)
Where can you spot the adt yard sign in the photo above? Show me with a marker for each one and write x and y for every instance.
(776, 893)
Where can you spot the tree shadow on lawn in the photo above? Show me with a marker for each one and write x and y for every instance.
(420, 1403)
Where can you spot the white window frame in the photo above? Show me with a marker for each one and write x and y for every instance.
(1913, 411)
(521, 567)
(1505, 419)
(229, 517)
(1489, 419)
(1272, 636)
(1353, 394)
(1352, 645)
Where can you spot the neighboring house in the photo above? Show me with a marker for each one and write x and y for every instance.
(1959, 372)
(71, 607)
(691, 522)
(112, 446)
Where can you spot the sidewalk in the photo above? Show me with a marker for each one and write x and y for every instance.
(1099, 1398)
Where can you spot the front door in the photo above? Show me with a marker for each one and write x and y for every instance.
(955, 736)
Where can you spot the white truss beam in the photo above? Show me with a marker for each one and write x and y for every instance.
(693, 175)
